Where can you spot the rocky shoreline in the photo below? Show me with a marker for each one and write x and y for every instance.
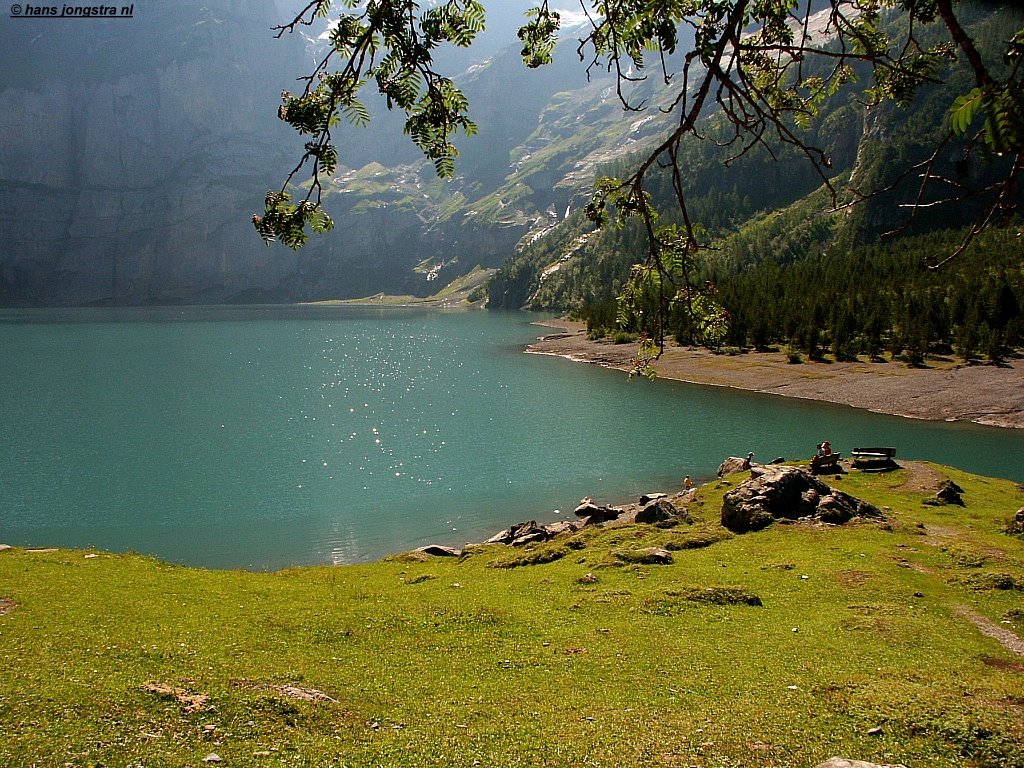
(985, 394)
(767, 493)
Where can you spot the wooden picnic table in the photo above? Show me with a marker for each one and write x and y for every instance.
(873, 455)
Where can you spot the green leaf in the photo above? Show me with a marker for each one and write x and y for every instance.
(964, 110)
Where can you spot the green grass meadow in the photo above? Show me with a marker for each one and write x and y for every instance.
(567, 654)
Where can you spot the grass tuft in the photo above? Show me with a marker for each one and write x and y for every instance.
(537, 555)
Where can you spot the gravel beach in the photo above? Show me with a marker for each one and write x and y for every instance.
(986, 394)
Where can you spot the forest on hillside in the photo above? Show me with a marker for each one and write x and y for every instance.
(790, 269)
(872, 300)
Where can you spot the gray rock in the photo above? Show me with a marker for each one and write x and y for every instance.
(4, 547)
(1017, 523)
(842, 762)
(787, 493)
(534, 537)
(439, 550)
(658, 556)
(664, 512)
(647, 498)
(562, 527)
(810, 496)
(502, 537)
(656, 511)
(733, 464)
(836, 509)
(518, 531)
(950, 493)
(646, 556)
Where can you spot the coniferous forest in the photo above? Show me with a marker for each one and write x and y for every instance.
(794, 267)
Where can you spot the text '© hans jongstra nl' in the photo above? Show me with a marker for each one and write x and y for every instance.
(73, 11)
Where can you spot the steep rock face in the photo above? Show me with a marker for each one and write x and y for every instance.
(133, 183)
(135, 151)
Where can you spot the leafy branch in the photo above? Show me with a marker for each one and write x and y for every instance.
(389, 43)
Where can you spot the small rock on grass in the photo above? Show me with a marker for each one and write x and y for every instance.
(1016, 524)
(842, 762)
(213, 757)
(596, 513)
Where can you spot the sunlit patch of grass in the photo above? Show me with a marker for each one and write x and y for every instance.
(534, 555)
(579, 659)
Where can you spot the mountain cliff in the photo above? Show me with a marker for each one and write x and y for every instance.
(131, 155)
(770, 204)
(135, 151)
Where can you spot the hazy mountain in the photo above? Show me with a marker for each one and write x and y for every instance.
(134, 151)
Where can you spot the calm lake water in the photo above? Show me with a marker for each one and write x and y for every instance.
(273, 436)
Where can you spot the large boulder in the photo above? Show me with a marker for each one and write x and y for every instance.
(733, 464)
(780, 492)
(661, 512)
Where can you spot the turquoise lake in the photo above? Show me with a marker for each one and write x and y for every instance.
(265, 437)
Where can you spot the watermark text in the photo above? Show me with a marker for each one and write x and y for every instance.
(28, 11)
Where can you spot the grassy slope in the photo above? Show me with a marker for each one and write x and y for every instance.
(455, 293)
(449, 662)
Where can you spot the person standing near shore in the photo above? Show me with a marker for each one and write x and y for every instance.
(687, 483)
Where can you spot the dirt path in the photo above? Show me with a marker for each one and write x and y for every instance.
(920, 477)
(989, 628)
(986, 394)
